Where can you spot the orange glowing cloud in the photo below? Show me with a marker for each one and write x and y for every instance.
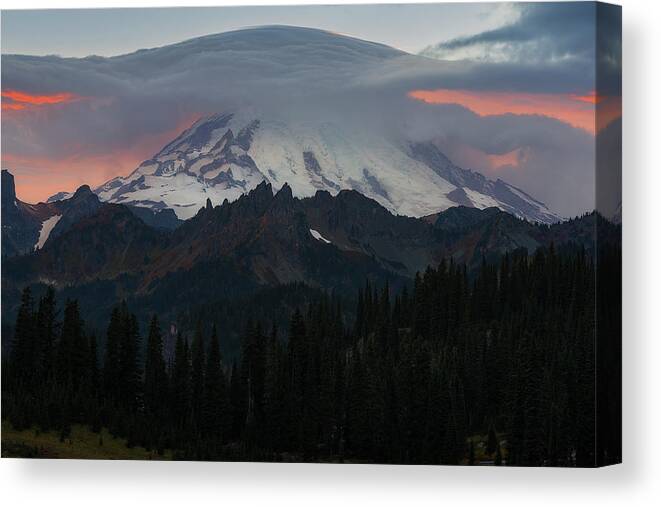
(512, 158)
(576, 110)
(590, 97)
(15, 100)
(11, 106)
(37, 100)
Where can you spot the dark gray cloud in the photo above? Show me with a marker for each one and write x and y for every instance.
(549, 37)
(544, 32)
(609, 49)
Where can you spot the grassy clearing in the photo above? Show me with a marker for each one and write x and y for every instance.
(82, 444)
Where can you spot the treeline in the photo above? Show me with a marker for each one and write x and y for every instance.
(414, 378)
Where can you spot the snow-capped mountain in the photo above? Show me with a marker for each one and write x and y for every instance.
(315, 109)
(60, 196)
(226, 155)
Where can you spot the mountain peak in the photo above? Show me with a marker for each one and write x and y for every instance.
(59, 196)
(262, 189)
(83, 191)
(285, 193)
(258, 198)
(463, 216)
(8, 188)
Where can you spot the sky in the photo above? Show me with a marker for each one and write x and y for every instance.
(508, 90)
(111, 32)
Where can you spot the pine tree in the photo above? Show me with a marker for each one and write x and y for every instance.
(93, 369)
(357, 425)
(272, 401)
(155, 378)
(47, 330)
(197, 377)
(73, 350)
(236, 403)
(92, 405)
(297, 362)
(181, 384)
(24, 345)
(112, 360)
(409, 382)
(129, 366)
(492, 441)
(215, 395)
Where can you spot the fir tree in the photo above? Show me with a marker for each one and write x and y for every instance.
(181, 385)
(155, 377)
(197, 377)
(215, 421)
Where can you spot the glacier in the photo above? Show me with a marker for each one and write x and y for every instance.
(226, 155)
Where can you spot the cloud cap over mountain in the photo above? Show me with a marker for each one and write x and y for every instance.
(121, 110)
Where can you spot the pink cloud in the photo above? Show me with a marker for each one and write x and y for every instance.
(576, 110)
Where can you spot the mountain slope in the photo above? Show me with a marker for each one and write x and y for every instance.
(21, 222)
(226, 155)
(269, 239)
(104, 244)
(265, 241)
(261, 239)
(26, 227)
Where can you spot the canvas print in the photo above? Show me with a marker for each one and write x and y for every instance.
(383, 234)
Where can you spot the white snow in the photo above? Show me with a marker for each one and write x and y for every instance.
(481, 201)
(523, 196)
(344, 152)
(318, 237)
(60, 196)
(349, 156)
(46, 228)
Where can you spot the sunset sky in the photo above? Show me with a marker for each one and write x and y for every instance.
(515, 85)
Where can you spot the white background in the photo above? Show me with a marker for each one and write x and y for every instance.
(636, 482)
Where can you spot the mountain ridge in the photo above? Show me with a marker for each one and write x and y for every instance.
(270, 234)
(225, 155)
(26, 227)
(267, 240)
